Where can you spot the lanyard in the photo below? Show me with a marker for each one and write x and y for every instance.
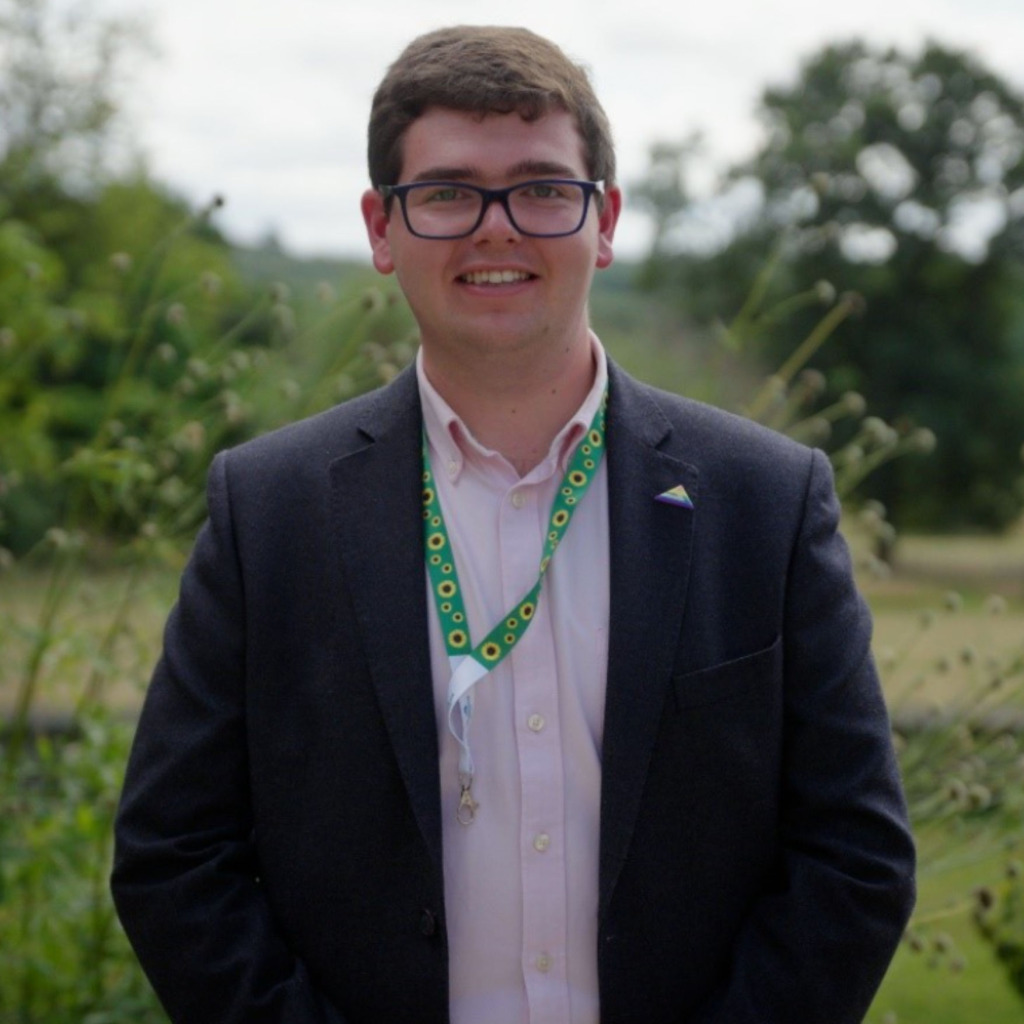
(470, 664)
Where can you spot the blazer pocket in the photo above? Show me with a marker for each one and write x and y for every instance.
(729, 679)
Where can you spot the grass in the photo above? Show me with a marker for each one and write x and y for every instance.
(952, 607)
(88, 646)
(953, 978)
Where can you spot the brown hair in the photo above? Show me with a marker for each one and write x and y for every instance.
(484, 70)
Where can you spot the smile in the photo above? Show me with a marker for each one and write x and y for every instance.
(495, 276)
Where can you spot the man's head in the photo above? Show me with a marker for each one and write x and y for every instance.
(484, 70)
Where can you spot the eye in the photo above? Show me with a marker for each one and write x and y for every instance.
(542, 190)
(441, 194)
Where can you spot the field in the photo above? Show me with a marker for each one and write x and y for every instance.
(948, 609)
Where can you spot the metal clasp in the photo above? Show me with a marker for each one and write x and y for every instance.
(466, 810)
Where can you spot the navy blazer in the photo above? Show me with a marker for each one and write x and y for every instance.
(278, 852)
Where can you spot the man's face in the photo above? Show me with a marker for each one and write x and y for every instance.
(458, 310)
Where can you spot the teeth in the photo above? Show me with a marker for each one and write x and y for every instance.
(495, 276)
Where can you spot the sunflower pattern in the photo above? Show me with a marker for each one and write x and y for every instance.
(441, 567)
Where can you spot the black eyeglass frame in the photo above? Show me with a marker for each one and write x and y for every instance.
(494, 195)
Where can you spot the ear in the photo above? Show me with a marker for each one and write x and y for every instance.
(609, 217)
(375, 216)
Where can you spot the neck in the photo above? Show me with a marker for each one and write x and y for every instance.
(516, 410)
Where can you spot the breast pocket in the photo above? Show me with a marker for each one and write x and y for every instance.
(753, 676)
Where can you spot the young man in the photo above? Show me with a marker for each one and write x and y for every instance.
(517, 690)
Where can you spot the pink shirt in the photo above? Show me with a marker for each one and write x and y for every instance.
(521, 880)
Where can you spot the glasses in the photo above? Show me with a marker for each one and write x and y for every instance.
(546, 208)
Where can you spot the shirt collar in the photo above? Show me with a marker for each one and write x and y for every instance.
(455, 444)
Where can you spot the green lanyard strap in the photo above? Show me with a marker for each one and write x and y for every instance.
(468, 663)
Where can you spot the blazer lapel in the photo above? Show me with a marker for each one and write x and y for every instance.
(377, 500)
(650, 546)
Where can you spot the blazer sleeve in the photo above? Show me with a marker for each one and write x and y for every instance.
(185, 880)
(815, 948)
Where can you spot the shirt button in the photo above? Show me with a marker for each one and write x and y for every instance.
(518, 499)
(543, 963)
(536, 723)
(541, 842)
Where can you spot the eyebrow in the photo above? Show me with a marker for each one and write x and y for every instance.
(523, 169)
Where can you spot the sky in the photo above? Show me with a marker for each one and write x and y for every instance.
(266, 103)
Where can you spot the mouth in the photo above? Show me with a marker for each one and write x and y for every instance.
(495, 277)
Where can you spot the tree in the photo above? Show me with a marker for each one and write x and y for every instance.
(59, 76)
(901, 178)
(88, 274)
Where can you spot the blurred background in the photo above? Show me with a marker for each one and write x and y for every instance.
(824, 232)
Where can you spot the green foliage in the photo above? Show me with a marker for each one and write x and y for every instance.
(875, 167)
(999, 918)
(64, 957)
(120, 374)
(958, 715)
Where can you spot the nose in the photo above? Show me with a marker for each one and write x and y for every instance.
(496, 220)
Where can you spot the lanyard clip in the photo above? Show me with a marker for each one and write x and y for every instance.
(466, 810)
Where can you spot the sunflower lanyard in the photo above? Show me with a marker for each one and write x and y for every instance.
(470, 664)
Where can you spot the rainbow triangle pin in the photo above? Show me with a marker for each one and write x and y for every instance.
(676, 496)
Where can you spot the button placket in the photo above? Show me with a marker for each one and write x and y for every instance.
(542, 808)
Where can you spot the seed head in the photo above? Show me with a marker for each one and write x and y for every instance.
(209, 283)
(878, 431)
(826, 292)
(956, 791)
(285, 317)
(978, 797)
(984, 897)
(854, 403)
(813, 381)
(924, 440)
(176, 314)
